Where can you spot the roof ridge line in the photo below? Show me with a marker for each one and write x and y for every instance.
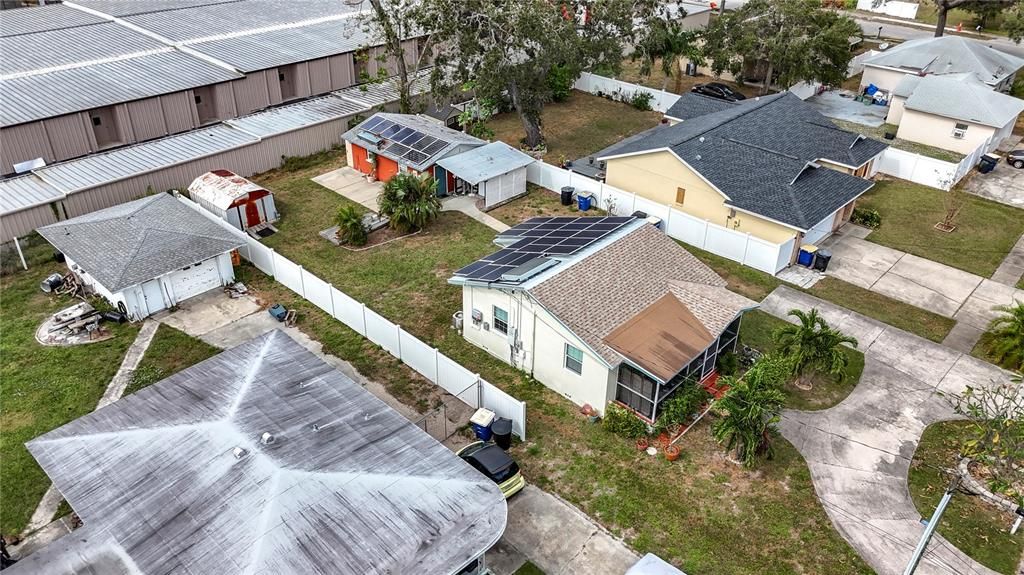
(763, 149)
(735, 114)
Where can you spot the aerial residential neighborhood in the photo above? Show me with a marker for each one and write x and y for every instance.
(458, 287)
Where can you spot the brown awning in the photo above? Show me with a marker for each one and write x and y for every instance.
(662, 339)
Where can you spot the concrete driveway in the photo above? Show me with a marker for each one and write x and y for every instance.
(1004, 184)
(557, 538)
(859, 452)
(839, 104)
(353, 185)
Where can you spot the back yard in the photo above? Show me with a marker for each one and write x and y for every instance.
(581, 125)
(690, 512)
(986, 230)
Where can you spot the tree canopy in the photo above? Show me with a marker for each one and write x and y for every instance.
(785, 41)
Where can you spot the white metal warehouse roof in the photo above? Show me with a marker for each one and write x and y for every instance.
(294, 116)
(30, 52)
(39, 18)
(486, 162)
(175, 478)
(24, 192)
(84, 173)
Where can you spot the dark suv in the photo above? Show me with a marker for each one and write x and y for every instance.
(1016, 158)
(720, 91)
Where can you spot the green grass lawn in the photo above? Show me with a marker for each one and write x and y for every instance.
(171, 351)
(581, 125)
(973, 526)
(528, 569)
(757, 330)
(986, 230)
(538, 202)
(689, 513)
(878, 133)
(757, 285)
(42, 387)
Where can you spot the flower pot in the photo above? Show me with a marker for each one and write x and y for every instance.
(642, 444)
(672, 452)
(663, 440)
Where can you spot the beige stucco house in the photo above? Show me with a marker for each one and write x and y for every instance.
(600, 309)
(953, 113)
(772, 167)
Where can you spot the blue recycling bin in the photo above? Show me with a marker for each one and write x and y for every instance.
(481, 423)
(806, 256)
(583, 201)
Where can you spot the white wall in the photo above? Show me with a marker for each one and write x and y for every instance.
(937, 131)
(895, 8)
(661, 100)
(884, 78)
(543, 340)
(895, 114)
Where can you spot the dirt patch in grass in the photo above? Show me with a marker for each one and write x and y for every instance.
(976, 528)
(42, 387)
(536, 203)
(757, 331)
(678, 85)
(581, 125)
(986, 230)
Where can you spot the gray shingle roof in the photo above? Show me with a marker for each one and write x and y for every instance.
(690, 105)
(966, 100)
(758, 154)
(949, 55)
(137, 241)
(155, 479)
(625, 277)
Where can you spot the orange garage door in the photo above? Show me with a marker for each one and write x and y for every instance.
(386, 168)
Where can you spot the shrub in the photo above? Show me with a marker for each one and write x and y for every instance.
(866, 217)
(686, 401)
(350, 226)
(641, 100)
(621, 421)
(812, 346)
(850, 4)
(1006, 336)
(560, 81)
(410, 201)
(728, 363)
(751, 410)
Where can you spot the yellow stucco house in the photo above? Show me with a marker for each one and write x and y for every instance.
(772, 167)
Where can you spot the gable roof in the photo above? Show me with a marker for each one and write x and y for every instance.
(627, 277)
(691, 105)
(137, 241)
(963, 99)
(347, 485)
(221, 188)
(485, 162)
(382, 133)
(761, 154)
(949, 55)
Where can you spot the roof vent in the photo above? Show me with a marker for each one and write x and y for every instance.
(701, 139)
(239, 452)
(697, 157)
(267, 438)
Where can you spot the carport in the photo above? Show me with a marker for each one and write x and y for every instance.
(496, 171)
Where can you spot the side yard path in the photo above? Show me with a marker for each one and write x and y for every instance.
(41, 528)
(1012, 269)
(859, 452)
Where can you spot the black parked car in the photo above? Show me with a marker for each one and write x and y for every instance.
(1016, 158)
(720, 91)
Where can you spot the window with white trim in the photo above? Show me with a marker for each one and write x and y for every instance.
(574, 359)
(500, 320)
(959, 130)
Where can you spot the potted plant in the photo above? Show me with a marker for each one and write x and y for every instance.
(642, 444)
(672, 452)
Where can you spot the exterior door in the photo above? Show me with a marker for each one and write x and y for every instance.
(386, 168)
(252, 214)
(154, 296)
(359, 160)
(195, 280)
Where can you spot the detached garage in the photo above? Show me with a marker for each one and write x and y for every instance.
(496, 171)
(240, 202)
(147, 255)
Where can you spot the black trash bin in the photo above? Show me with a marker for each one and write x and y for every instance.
(567, 193)
(501, 430)
(987, 163)
(821, 261)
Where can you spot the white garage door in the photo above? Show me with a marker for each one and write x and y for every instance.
(821, 230)
(195, 279)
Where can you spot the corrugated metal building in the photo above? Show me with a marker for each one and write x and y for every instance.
(129, 72)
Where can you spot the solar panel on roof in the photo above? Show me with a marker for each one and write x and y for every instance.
(434, 148)
(403, 133)
(415, 157)
(396, 149)
(421, 145)
(373, 123)
(411, 139)
(390, 131)
(538, 237)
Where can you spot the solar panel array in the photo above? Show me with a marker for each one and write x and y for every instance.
(539, 237)
(404, 142)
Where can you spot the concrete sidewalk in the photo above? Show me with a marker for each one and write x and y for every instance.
(557, 538)
(1012, 269)
(859, 452)
(467, 205)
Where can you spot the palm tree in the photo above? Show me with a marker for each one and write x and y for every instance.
(1006, 334)
(751, 408)
(669, 42)
(813, 346)
(350, 226)
(410, 201)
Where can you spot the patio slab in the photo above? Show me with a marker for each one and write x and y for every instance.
(352, 185)
(839, 104)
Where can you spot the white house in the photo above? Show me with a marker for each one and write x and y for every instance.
(600, 309)
(955, 113)
(942, 56)
(146, 255)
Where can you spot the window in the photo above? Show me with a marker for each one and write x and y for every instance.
(198, 99)
(959, 130)
(573, 359)
(96, 121)
(680, 195)
(500, 320)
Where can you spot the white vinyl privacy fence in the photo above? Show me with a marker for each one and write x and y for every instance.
(738, 246)
(467, 386)
(661, 100)
(927, 171)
